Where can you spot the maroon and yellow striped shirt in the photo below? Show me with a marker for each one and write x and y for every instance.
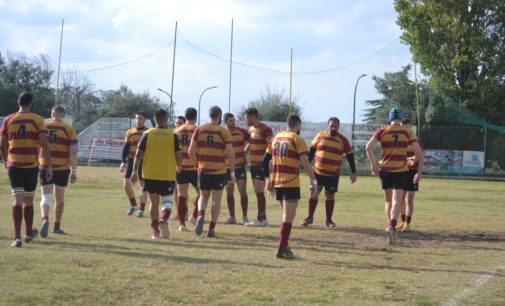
(329, 151)
(211, 141)
(258, 142)
(61, 137)
(239, 136)
(394, 140)
(286, 148)
(132, 138)
(185, 134)
(410, 153)
(22, 131)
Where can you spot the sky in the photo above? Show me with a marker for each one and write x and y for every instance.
(333, 43)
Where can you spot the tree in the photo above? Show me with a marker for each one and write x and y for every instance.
(272, 106)
(21, 73)
(461, 45)
(125, 103)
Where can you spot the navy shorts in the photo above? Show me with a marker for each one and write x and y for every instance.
(129, 169)
(60, 177)
(287, 194)
(409, 185)
(395, 180)
(23, 178)
(187, 177)
(329, 182)
(212, 181)
(257, 172)
(163, 188)
(240, 174)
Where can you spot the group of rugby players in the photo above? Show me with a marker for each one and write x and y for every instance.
(210, 158)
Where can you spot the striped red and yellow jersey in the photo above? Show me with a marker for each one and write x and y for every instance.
(286, 148)
(185, 134)
(410, 153)
(211, 140)
(394, 140)
(258, 142)
(22, 131)
(329, 151)
(132, 138)
(61, 137)
(239, 137)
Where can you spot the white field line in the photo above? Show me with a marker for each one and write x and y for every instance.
(473, 287)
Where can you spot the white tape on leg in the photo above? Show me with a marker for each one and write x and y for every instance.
(46, 199)
(167, 202)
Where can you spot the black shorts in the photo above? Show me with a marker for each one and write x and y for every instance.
(187, 177)
(240, 174)
(395, 180)
(257, 172)
(211, 181)
(60, 177)
(23, 178)
(129, 169)
(162, 188)
(287, 194)
(409, 185)
(329, 182)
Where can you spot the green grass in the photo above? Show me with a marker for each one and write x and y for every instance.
(108, 258)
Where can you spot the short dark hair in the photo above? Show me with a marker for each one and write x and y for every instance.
(251, 111)
(226, 116)
(293, 120)
(406, 121)
(215, 112)
(333, 119)
(142, 114)
(190, 114)
(58, 109)
(181, 118)
(159, 115)
(25, 98)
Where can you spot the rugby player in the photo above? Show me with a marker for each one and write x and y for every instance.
(328, 147)
(160, 153)
(130, 147)
(392, 168)
(415, 168)
(180, 121)
(286, 151)
(239, 138)
(261, 136)
(188, 174)
(210, 148)
(21, 134)
(63, 146)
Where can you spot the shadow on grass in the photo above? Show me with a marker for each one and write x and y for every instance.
(124, 251)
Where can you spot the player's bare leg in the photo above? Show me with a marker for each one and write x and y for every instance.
(330, 205)
(17, 215)
(128, 188)
(244, 199)
(59, 193)
(230, 201)
(288, 215)
(313, 199)
(214, 213)
(409, 199)
(388, 204)
(143, 200)
(154, 211)
(403, 213)
(45, 205)
(395, 212)
(202, 206)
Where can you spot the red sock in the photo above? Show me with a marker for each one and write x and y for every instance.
(154, 225)
(330, 205)
(201, 213)
(44, 218)
(133, 201)
(262, 203)
(28, 214)
(244, 202)
(165, 214)
(312, 207)
(195, 206)
(285, 232)
(182, 210)
(142, 206)
(230, 200)
(17, 218)
(212, 226)
(392, 223)
(408, 219)
(57, 225)
(403, 217)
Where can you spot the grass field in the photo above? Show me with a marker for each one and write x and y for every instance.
(456, 251)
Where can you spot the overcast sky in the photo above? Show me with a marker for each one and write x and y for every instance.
(347, 37)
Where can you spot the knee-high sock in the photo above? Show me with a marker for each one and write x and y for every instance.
(17, 220)
(285, 232)
(230, 200)
(262, 213)
(28, 214)
(330, 205)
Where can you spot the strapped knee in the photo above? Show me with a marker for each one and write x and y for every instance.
(167, 202)
(46, 199)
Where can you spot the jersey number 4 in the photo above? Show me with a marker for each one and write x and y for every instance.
(21, 133)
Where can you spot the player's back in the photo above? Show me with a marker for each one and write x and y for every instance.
(22, 131)
(394, 140)
(185, 133)
(286, 148)
(60, 136)
(211, 142)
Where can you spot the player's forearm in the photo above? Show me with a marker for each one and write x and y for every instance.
(312, 153)
(73, 157)
(178, 159)
(308, 168)
(124, 155)
(420, 164)
(265, 164)
(136, 162)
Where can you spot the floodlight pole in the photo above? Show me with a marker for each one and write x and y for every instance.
(200, 101)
